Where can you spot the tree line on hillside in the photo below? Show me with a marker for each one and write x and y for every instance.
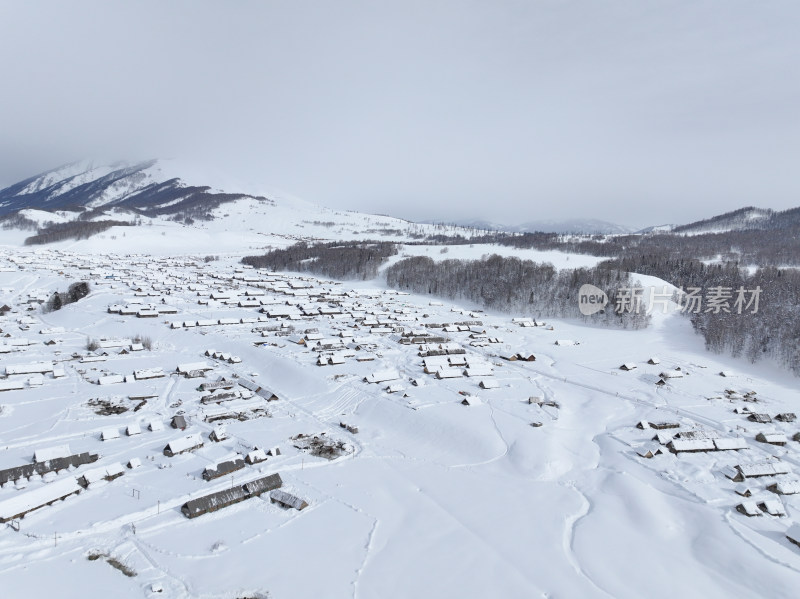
(350, 260)
(515, 286)
(72, 230)
(18, 221)
(769, 330)
(753, 246)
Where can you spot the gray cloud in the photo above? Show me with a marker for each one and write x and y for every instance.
(636, 112)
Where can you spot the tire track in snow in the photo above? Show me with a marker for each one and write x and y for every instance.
(367, 555)
(569, 535)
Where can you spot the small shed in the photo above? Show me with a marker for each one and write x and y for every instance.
(664, 425)
(182, 445)
(287, 500)
(109, 433)
(772, 438)
(448, 373)
(757, 470)
(690, 445)
(787, 487)
(223, 468)
(677, 373)
(748, 508)
(107, 473)
(220, 433)
(760, 418)
(178, 422)
(256, 457)
(650, 451)
(773, 507)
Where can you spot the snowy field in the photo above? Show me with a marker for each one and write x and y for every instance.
(458, 472)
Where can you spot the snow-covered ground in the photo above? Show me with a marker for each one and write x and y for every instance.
(431, 497)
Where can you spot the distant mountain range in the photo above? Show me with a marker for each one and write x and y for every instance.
(749, 218)
(89, 191)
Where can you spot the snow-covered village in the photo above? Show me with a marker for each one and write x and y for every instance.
(404, 299)
(188, 413)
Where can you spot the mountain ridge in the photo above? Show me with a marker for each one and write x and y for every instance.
(165, 189)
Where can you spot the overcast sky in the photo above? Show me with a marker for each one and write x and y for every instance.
(633, 111)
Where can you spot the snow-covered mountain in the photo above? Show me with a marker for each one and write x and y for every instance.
(148, 187)
(194, 209)
(743, 218)
(590, 226)
(656, 229)
(170, 194)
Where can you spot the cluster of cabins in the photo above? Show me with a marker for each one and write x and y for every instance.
(135, 428)
(223, 356)
(456, 366)
(213, 322)
(221, 499)
(691, 441)
(54, 459)
(663, 377)
(744, 473)
(190, 370)
(142, 310)
(10, 344)
(525, 323)
(51, 461)
(26, 502)
(24, 376)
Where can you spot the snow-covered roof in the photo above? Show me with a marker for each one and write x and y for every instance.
(763, 469)
(23, 502)
(184, 443)
(287, 499)
(679, 445)
(730, 443)
(50, 453)
(382, 376)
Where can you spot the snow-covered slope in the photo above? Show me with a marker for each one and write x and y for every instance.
(744, 218)
(538, 486)
(195, 209)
